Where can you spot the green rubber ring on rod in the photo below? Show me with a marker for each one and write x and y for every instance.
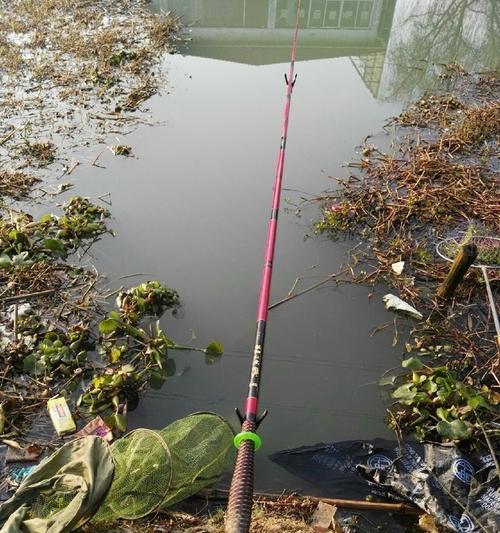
(247, 435)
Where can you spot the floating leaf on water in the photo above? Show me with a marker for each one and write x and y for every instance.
(387, 380)
(412, 363)
(443, 414)
(116, 421)
(109, 325)
(115, 354)
(46, 218)
(405, 392)
(156, 379)
(476, 401)
(31, 365)
(55, 245)
(5, 261)
(430, 386)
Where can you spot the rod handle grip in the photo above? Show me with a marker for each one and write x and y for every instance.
(239, 510)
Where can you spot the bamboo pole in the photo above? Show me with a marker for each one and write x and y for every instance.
(464, 259)
(283, 499)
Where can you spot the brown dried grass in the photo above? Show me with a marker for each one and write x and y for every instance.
(265, 519)
(16, 184)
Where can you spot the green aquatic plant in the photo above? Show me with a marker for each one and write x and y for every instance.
(147, 299)
(337, 217)
(134, 351)
(436, 405)
(24, 241)
(58, 353)
(136, 356)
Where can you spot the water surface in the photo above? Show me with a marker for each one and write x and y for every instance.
(192, 208)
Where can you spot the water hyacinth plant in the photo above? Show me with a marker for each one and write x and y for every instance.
(434, 404)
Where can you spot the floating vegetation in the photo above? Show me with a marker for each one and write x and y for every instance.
(16, 184)
(24, 241)
(51, 338)
(82, 69)
(150, 298)
(440, 183)
(43, 152)
(434, 404)
(72, 72)
(121, 149)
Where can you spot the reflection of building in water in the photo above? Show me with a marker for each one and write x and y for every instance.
(325, 14)
(328, 14)
(259, 31)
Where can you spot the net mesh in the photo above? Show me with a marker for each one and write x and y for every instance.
(155, 469)
(50, 503)
(488, 249)
(201, 446)
(143, 471)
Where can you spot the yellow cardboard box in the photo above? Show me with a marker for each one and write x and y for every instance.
(61, 415)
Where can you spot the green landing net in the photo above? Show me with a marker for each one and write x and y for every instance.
(155, 469)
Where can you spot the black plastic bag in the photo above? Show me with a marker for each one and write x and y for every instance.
(461, 493)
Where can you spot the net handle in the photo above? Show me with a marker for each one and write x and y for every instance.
(493, 306)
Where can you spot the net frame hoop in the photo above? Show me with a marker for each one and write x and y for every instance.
(475, 264)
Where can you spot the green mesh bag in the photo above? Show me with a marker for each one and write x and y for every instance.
(155, 469)
(201, 446)
(143, 471)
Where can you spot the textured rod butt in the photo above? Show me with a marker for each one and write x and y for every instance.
(239, 510)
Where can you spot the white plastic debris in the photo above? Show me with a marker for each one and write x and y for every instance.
(393, 303)
(22, 310)
(398, 267)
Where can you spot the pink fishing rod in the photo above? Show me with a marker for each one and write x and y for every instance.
(247, 441)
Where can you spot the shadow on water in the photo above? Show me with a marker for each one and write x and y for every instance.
(192, 208)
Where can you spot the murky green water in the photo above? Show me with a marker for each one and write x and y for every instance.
(192, 209)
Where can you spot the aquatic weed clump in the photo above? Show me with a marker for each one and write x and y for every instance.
(438, 179)
(150, 298)
(16, 183)
(135, 352)
(435, 404)
(43, 152)
(24, 241)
